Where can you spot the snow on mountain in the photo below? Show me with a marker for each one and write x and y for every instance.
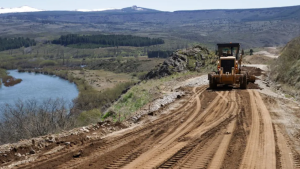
(30, 9)
(137, 8)
(17, 10)
(94, 10)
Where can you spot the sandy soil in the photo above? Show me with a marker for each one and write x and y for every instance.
(265, 56)
(271, 52)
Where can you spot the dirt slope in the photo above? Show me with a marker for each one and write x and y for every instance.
(209, 129)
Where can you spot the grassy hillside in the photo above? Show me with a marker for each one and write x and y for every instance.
(286, 69)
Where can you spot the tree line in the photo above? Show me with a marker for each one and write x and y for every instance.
(159, 54)
(15, 43)
(94, 41)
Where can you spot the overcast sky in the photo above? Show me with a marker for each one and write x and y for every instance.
(164, 5)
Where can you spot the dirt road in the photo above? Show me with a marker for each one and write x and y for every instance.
(210, 129)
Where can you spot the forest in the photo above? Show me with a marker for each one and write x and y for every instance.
(95, 41)
(15, 43)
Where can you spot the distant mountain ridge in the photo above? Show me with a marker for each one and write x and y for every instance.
(19, 9)
(25, 9)
(251, 27)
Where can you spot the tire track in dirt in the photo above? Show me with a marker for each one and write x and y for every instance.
(212, 129)
(168, 145)
(285, 153)
(260, 150)
(237, 145)
(107, 145)
(202, 155)
(217, 161)
(175, 154)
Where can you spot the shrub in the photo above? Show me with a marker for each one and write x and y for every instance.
(47, 63)
(88, 117)
(31, 118)
(90, 99)
(109, 114)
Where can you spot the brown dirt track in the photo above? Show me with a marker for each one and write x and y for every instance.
(211, 129)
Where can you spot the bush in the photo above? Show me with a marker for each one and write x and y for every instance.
(91, 99)
(88, 117)
(47, 63)
(109, 114)
(27, 119)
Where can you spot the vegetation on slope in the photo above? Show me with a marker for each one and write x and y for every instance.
(140, 95)
(197, 58)
(286, 68)
(182, 63)
(95, 41)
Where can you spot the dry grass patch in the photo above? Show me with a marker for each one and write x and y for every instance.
(100, 79)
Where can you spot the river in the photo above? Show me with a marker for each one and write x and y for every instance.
(37, 86)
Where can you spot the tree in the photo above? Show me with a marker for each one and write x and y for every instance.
(251, 51)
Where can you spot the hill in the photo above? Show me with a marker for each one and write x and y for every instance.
(286, 69)
(251, 27)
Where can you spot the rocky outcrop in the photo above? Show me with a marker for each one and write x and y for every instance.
(192, 59)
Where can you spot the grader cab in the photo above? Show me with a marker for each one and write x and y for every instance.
(229, 70)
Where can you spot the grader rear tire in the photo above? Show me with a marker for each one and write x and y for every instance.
(243, 82)
(212, 83)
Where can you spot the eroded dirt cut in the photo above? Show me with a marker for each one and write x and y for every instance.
(253, 71)
(210, 129)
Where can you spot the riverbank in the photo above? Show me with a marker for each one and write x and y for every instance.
(3, 73)
(37, 87)
(89, 107)
(7, 80)
(91, 104)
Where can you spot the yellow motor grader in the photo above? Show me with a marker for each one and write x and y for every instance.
(229, 68)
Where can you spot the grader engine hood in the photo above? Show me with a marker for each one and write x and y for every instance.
(227, 63)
